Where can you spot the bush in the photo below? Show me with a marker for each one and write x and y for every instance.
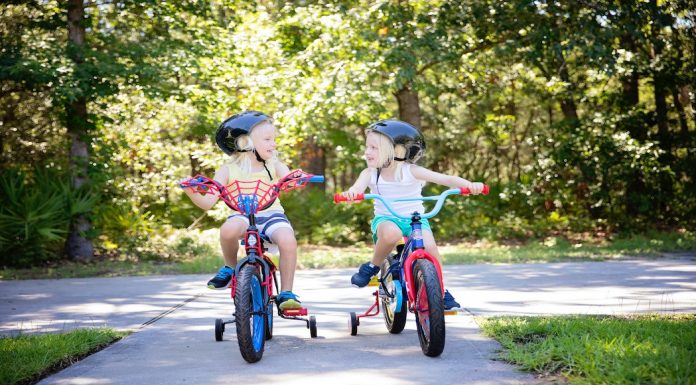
(35, 214)
(317, 219)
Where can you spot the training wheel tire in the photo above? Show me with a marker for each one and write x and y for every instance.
(313, 326)
(219, 329)
(354, 324)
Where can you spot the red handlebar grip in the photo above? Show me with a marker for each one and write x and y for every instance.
(340, 198)
(466, 191)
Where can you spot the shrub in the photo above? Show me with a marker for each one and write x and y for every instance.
(35, 214)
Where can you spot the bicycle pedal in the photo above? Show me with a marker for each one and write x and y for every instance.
(295, 312)
(374, 281)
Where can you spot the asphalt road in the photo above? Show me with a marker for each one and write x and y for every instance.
(173, 317)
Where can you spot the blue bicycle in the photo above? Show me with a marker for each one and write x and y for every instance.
(254, 278)
(411, 280)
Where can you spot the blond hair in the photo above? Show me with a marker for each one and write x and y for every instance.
(245, 144)
(386, 152)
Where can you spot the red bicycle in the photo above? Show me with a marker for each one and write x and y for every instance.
(254, 279)
(411, 280)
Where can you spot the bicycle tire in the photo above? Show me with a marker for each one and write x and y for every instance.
(430, 309)
(394, 311)
(249, 316)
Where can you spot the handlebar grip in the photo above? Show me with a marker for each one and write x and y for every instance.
(340, 198)
(190, 182)
(466, 191)
(317, 179)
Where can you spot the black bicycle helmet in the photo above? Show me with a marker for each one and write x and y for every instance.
(236, 126)
(402, 133)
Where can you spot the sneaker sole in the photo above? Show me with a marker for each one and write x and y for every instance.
(290, 304)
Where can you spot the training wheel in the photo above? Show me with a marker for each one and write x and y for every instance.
(219, 329)
(313, 326)
(354, 323)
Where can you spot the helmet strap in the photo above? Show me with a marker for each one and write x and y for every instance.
(260, 159)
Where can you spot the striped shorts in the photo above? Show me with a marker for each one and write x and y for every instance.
(267, 222)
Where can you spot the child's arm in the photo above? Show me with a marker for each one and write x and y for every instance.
(207, 201)
(450, 181)
(281, 169)
(359, 186)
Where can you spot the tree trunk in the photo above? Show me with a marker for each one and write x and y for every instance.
(409, 106)
(568, 106)
(78, 246)
(630, 83)
(313, 158)
(683, 124)
(195, 165)
(660, 96)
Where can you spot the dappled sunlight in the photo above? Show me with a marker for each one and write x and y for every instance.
(32, 297)
(123, 302)
(84, 381)
(355, 376)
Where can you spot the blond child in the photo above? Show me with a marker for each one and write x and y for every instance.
(392, 148)
(250, 140)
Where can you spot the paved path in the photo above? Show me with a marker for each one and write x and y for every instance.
(173, 319)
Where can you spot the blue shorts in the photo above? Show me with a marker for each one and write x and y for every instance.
(403, 224)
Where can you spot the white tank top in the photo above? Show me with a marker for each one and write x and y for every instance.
(408, 187)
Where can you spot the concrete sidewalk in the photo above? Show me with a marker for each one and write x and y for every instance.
(173, 318)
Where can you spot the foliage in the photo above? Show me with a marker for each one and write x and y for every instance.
(580, 117)
(35, 214)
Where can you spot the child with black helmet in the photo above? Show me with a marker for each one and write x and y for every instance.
(392, 148)
(250, 140)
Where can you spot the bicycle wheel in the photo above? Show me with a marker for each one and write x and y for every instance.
(430, 311)
(394, 301)
(249, 315)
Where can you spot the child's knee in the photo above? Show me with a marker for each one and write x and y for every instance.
(389, 234)
(231, 231)
(284, 238)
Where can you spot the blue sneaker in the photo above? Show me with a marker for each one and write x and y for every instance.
(450, 302)
(364, 274)
(288, 300)
(222, 279)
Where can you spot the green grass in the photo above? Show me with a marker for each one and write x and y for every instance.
(639, 349)
(205, 258)
(27, 358)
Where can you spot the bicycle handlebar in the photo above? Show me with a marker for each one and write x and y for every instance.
(236, 194)
(440, 200)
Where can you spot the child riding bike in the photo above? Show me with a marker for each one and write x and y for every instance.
(250, 139)
(392, 148)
